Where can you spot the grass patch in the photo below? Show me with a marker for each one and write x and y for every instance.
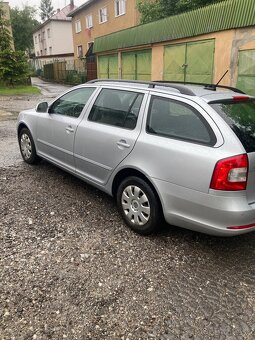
(18, 90)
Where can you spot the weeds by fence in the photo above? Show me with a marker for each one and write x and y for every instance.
(65, 71)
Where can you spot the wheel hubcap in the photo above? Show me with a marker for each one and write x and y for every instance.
(25, 146)
(136, 205)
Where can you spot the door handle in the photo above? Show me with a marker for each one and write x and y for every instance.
(69, 129)
(123, 144)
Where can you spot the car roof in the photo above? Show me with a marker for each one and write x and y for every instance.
(207, 92)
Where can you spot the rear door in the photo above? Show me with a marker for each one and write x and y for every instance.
(108, 133)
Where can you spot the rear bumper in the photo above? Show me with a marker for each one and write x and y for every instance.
(211, 213)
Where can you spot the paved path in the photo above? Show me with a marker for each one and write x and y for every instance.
(10, 106)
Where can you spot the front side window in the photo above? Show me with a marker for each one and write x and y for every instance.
(178, 120)
(77, 26)
(117, 108)
(120, 7)
(89, 21)
(102, 15)
(36, 39)
(48, 32)
(72, 103)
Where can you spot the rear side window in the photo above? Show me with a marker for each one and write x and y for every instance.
(240, 116)
(117, 108)
(173, 119)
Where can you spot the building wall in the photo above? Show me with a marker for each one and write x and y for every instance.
(6, 9)
(59, 41)
(228, 44)
(114, 23)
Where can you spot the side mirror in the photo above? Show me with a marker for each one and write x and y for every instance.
(42, 107)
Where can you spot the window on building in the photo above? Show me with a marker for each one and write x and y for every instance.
(45, 51)
(120, 7)
(48, 32)
(35, 39)
(80, 51)
(50, 50)
(43, 35)
(89, 44)
(41, 52)
(102, 15)
(39, 37)
(89, 21)
(78, 26)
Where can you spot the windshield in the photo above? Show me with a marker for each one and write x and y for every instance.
(240, 116)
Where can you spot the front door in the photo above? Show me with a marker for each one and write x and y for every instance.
(56, 128)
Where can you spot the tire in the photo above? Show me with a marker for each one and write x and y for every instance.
(139, 205)
(27, 147)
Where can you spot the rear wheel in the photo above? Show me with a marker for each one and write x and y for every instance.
(138, 205)
(27, 147)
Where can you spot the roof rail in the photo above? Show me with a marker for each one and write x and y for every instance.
(211, 87)
(151, 84)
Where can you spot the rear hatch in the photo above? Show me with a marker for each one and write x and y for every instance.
(239, 113)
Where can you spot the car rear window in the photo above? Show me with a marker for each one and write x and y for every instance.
(240, 116)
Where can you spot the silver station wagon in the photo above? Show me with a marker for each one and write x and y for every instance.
(183, 153)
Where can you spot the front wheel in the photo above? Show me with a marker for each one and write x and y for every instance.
(27, 147)
(139, 205)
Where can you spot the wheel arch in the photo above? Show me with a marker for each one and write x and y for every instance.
(128, 172)
(21, 126)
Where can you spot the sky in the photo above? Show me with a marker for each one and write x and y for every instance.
(55, 3)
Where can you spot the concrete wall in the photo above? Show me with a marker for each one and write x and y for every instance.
(113, 23)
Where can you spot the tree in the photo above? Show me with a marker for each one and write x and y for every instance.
(13, 64)
(23, 23)
(158, 9)
(5, 35)
(46, 9)
(13, 67)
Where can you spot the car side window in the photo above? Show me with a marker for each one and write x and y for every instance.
(117, 108)
(178, 120)
(72, 103)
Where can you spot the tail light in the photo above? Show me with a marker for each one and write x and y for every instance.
(230, 174)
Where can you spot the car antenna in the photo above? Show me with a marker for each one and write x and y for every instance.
(213, 87)
(221, 78)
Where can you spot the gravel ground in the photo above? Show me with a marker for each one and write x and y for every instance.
(70, 269)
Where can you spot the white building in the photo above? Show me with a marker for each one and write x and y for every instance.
(53, 39)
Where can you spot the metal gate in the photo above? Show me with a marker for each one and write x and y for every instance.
(246, 71)
(108, 66)
(136, 65)
(190, 62)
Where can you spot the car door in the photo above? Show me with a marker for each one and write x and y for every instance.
(108, 133)
(56, 128)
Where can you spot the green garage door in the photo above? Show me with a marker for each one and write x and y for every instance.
(246, 71)
(191, 62)
(108, 66)
(136, 65)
